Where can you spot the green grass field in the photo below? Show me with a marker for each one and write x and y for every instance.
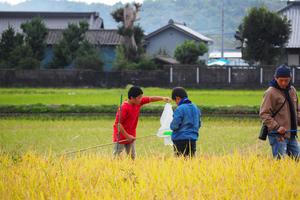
(217, 136)
(15, 96)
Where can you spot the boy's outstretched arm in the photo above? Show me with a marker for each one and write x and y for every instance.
(159, 98)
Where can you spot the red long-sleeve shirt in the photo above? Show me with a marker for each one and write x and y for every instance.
(129, 119)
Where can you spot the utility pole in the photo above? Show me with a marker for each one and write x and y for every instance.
(222, 33)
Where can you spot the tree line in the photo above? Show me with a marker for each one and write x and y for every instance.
(26, 50)
(262, 34)
(203, 16)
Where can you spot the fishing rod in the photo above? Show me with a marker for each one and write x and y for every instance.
(274, 133)
(101, 145)
(119, 122)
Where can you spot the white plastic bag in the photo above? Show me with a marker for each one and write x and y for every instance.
(165, 121)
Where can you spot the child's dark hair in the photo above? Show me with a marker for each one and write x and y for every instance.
(179, 92)
(134, 92)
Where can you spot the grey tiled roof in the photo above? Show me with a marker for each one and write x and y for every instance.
(292, 12)
(165, 59)
(182, 28)
(31, 14)
(195, 33)
(97, 37)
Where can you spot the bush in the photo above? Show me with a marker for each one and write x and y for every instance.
(22, 58)
(188, 52)
(146, 64)
(153, 109)
(29, 63)
(122, 63)
(89, 62)
(4, 65)
(74, 46)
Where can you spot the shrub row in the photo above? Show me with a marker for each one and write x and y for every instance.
(110, 109)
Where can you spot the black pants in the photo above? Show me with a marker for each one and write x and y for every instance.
(186, 148)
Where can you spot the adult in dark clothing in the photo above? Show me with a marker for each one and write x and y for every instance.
(282, 96)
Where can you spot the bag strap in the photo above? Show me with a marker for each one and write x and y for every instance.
(274, 114)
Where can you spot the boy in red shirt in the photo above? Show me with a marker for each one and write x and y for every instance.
(125, 139)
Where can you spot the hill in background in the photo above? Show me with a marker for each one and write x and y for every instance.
(203, 16)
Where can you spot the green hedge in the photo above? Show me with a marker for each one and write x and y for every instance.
(110, 109)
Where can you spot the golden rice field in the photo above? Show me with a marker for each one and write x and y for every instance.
(232, 176)
(231, 163)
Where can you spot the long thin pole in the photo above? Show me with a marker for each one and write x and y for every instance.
(274, 133)
(222, 33)
(119, 122)
(99, 146)
(120, 114)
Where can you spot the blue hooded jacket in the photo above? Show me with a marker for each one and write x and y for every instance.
(186, 121)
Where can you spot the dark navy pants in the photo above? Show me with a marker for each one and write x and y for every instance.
(186, 148)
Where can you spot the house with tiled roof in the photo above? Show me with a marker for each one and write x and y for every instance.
(105, 40)
(168, 37)
(52, 20)
(292, 12)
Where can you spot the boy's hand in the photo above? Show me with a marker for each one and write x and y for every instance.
(167, 99)
(130, 138)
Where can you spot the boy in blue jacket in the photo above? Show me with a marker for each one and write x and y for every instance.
(185, 125)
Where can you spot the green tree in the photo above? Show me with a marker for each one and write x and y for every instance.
(189, 52)
(65, 51)
(262, 35)
(87, 58)
(10, 40)
(120, 62)
(25, 50)
(35, 33)
(126, 56)
(75, 50)
(61, 56)
(22, 57)
(132, 34)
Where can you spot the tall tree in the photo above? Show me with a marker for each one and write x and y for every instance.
(35, 33)
(263, 34)
(10, 40)
(65, 50)
(74, 49)
(87, 57)
(131, 33)
(22, 57)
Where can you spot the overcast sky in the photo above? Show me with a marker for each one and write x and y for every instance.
(109, 2)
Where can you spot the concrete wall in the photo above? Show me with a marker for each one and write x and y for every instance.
(186, 76)
(77, 78)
